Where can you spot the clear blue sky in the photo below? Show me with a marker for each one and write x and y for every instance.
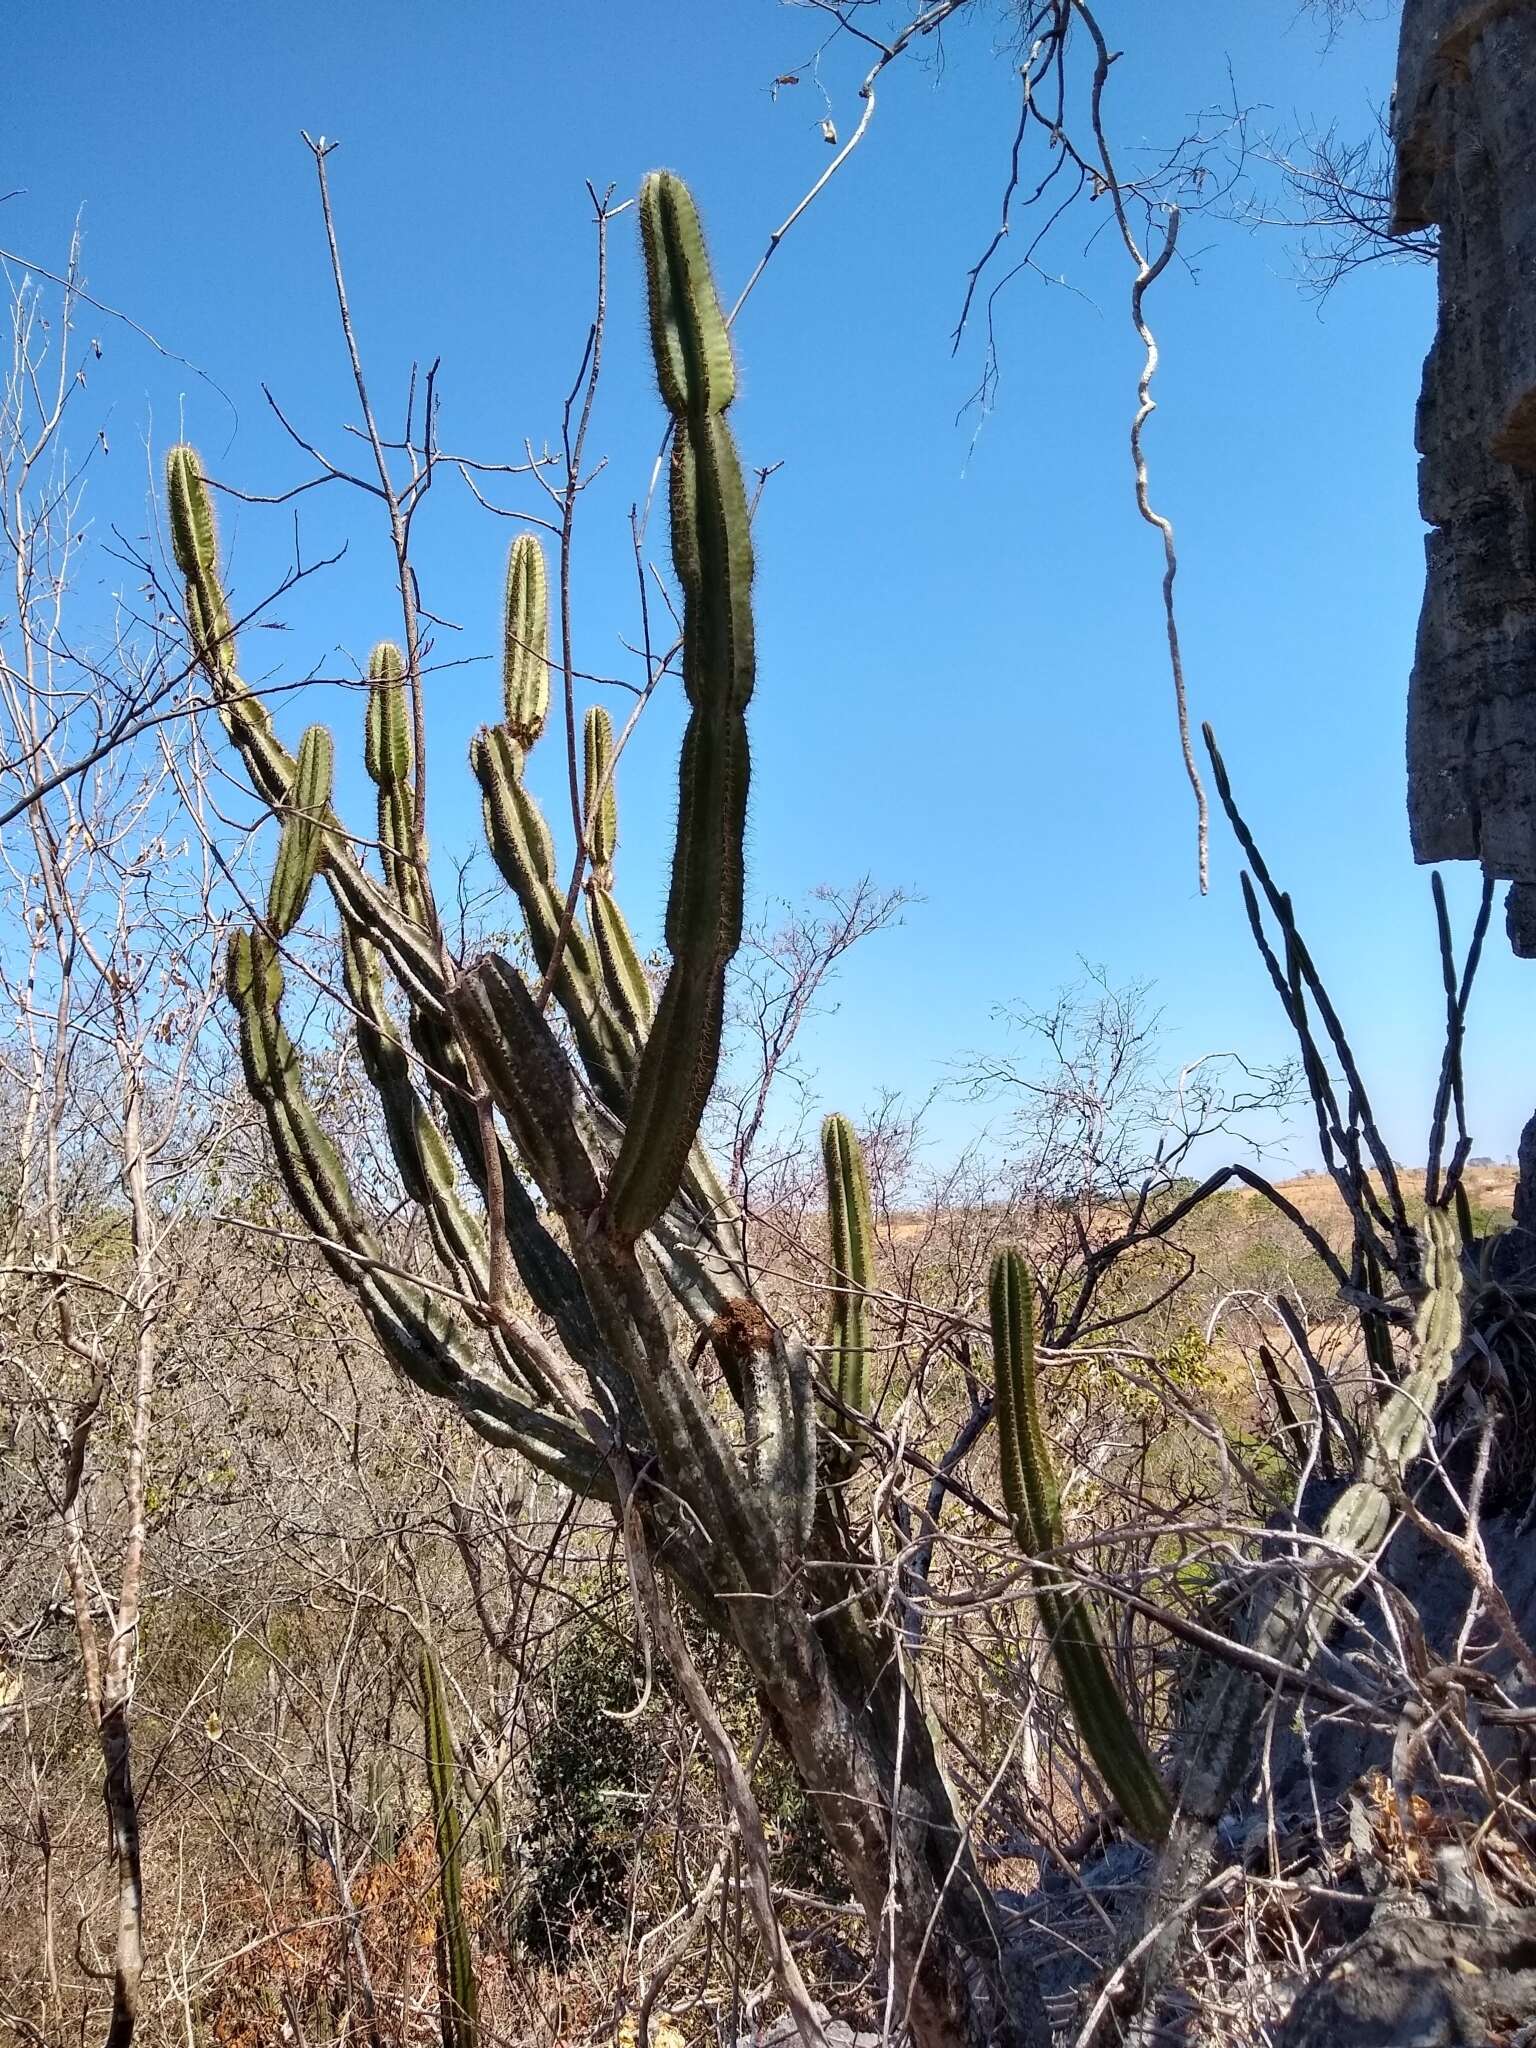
(963, 683)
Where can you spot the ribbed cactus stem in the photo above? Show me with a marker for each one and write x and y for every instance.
(457, 1991)
(624, 978)
(1030, 1494)
(689, 340)
(525, 640)
(303, 835)
(851, 1236)
(712, 553)
(387, 726)
(388, 756)
(600, 802)
(195, 544)
(521, 846)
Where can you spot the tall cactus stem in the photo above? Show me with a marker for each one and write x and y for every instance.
(712, 553)
(303, 836)
(525, 640)
(1030, 1494)
(851, 1236)
(602, 809)
(457, 1990)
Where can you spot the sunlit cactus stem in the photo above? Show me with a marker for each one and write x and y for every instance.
(388, 756)
(1029, 1492)
(525, 641)
(195, 544)
(624, 977)
(303, 835)
(458, 1993)
(712, 553)
(851, 1235)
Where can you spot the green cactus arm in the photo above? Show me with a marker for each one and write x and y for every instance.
(458, 1992)
(388, 755)
(532, 1081)
(600, 800)
(1011, 1300)
(690, 345)
(414, 1324)
(303, 833)
(195, 544)
(421, 1153)
(851, 1232)
(1108, 1733)
(525, 640)
(522, 849)
(387, 722)
(625, 980)
(411, 955)
(544, 1266)
(712, 553)
(1029, 1491)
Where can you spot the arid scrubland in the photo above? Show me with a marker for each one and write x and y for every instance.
(519, 1521)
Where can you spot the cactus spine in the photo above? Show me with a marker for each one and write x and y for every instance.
(1029, 1492)
(457, 1991)
(712, 553)
(851, 1231)
(303, 837)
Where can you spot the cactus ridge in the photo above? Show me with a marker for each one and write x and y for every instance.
(195, 544)
(601, 802)
(712, 553)
(525, 640)
(624, 982)
(689, 341)
(851, 1235)
(624, 976)
(303, 835)
(387, 729)
(1034, 1508)
(524, 852)
(457, 1990)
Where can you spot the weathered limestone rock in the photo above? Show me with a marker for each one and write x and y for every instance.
(1464, 121)
(1412, 1983)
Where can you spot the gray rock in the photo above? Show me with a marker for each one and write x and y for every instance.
(1411, 1983)
(1464, 122)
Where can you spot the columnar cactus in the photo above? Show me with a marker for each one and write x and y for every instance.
(298, 851)
(1034, 1507)
(546, 1131)
(624, 976)
(457, 1989)
(712, 553)
(851, 1234)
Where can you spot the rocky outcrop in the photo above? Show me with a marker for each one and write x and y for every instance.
(1464, 122)
(1417, 1983)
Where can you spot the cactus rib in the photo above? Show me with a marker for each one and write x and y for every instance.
(303, 835)
(457, 1990)
(712, 552)
(1030, 1494)
(850, 1230)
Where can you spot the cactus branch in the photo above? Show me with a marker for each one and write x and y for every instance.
(457, 1990)
(1034, 1508)
(712, 553)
